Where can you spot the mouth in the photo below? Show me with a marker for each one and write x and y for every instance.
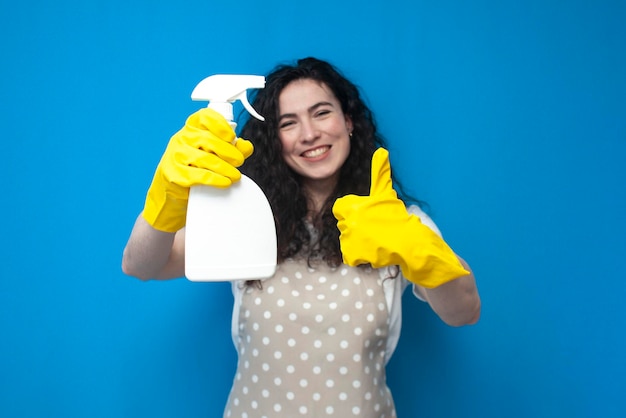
(314, 153)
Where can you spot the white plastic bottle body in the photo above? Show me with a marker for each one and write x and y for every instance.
(230, 233)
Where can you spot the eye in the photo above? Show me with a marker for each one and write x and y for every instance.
(322, 113)
(286, 124)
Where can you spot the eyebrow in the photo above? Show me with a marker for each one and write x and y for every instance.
(310, 109)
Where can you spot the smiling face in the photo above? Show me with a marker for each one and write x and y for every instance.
(314, 132)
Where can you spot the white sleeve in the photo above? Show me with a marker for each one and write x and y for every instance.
(237, 287)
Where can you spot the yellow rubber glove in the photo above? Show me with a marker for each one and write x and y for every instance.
(202, 152)
(377, 229)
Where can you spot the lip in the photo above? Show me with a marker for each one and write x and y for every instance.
(317, 153)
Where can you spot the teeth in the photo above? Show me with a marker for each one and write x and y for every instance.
(316, 152)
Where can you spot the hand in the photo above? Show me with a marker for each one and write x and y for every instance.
(377, 229)
(205, 151)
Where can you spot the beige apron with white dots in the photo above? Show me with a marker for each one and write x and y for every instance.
(312, 343)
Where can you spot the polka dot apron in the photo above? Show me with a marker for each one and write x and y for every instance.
(312, 343)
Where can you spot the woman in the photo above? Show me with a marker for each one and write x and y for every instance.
(314, 339)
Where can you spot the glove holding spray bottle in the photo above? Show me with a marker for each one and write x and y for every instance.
(204, 151)
(377, 229)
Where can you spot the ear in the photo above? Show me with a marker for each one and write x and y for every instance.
(349, 125)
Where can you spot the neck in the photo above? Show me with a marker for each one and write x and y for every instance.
(317, 193)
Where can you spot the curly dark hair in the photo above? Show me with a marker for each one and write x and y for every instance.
(282, 185)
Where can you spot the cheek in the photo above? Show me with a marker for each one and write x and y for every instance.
(286, 140)
(345, 142)
(287, 149)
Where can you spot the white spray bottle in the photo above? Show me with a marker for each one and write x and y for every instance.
(230, 233)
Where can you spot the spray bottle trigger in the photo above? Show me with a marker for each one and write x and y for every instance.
(246, 104)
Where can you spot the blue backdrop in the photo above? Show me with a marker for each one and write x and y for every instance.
(509, 118)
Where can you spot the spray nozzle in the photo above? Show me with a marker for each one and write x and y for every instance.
(222, 90)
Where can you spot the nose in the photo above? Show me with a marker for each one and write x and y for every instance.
(309, 131)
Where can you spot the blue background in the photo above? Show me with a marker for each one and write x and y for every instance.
(509, 118)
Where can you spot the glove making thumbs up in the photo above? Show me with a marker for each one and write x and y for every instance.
(377, 229)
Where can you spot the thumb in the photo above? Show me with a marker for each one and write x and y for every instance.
(244, 146)
(381, 173)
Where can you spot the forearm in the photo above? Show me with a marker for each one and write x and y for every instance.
(457, 302)
(151, 254)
